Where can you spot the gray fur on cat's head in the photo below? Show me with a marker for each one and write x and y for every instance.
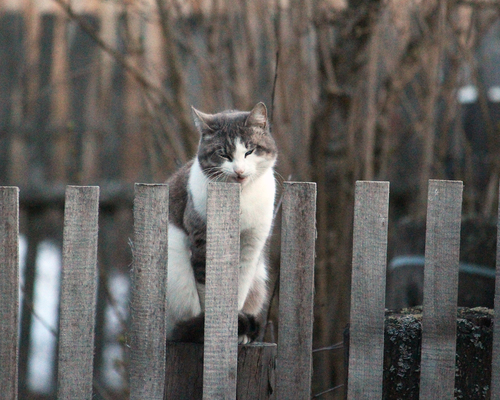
(235, 145)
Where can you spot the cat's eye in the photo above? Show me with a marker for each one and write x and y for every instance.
(249, 152)
(227, 157)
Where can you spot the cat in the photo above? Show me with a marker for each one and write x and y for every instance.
(235, 146)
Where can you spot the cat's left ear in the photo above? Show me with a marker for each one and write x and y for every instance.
(202, 120)
(258, 116)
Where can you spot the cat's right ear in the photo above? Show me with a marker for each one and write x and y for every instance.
(202, 120)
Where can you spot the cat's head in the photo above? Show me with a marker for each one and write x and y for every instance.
(235, 146)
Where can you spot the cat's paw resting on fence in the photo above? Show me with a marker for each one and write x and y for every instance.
(192, 330)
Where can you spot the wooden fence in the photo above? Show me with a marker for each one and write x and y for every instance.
(437, 373)
(149, 356)
(159, 370)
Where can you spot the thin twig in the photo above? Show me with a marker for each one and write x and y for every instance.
(274, 85)
(327, 391)
(117, 56)
(335, 346)
(31, 307)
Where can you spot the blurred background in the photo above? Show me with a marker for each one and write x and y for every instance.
(98, 92)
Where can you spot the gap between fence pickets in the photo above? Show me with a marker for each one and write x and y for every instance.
(9, 290)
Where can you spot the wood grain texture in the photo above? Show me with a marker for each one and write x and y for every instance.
(9, 290)
(495, 367)
(78, 293)
(149, 291)
(293, 379)
(221, 296)
(256, 371)
(369, 263)
(439, 324)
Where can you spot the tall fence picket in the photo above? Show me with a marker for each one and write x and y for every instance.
(9, 290)
(369, 262)
(148, 296)
(495, 367)
(293, 376)
(78, 293)
(221, 296)
(439, 320)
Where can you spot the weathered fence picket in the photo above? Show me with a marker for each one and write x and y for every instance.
(495, 367)
(221, 291)
(293, 376)
(9, 290)
(368, 290)
(78, 293)
(439, 322)
(148, 294)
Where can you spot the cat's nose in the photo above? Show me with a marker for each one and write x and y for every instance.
(239, 170)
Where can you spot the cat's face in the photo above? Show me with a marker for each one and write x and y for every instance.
(235, 146)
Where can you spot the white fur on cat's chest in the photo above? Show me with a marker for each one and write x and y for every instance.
(256, 200)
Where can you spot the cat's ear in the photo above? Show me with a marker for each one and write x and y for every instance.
(258, 116)
(202, 120)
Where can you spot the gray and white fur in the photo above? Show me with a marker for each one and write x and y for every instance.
(234, 146)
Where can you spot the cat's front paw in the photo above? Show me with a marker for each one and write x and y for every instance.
(248, 328)
(244, 339)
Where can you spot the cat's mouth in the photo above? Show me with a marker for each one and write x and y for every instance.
(240, 179)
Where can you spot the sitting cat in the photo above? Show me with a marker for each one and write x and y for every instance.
(235, 146)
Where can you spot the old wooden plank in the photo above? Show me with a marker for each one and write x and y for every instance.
(369, 262)
(293, 379)
(78, 293)
(9, 290)
(256, 371)
(439, 325)
(149, 289)
(495, 367)
(221, 291)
